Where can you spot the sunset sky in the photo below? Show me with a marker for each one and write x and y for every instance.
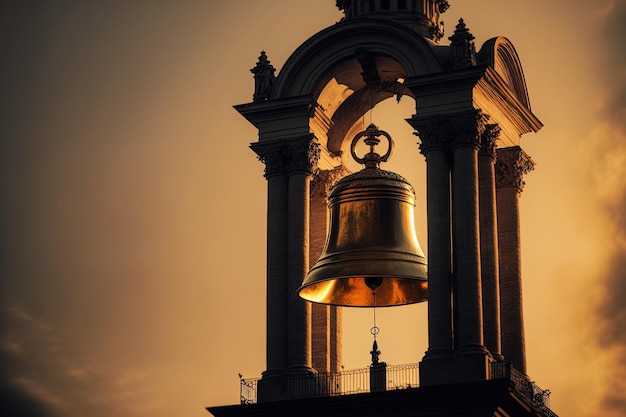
(132, 212)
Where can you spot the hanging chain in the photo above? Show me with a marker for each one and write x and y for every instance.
(374, 330)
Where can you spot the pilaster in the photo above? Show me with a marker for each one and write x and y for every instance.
(326, 319)
(471, 358)
(434, 136)
(468, 129)
(489, 239)
(302, 155)
(511, 166)
(450, 144)
(289, 165)
(273, 384)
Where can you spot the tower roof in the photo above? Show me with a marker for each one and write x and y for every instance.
(420, 15)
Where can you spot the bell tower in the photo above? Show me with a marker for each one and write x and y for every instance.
(423, 16)
(471, 110)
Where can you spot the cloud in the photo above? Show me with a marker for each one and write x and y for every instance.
(43, 375)
(615, 64)
(607, 153)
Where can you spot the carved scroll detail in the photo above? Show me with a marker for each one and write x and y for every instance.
(303, 155)
(489, 140)
(511, 166)
(288, 156)
(325, 179)
(271, 154)
(448, 132)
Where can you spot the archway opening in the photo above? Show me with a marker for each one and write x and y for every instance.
(404, 329)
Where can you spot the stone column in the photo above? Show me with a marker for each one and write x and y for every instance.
(489, 239)
(468, 330)
(272, 386)
(512, 164)
(326, 320)
(302, 157)
(434, 136)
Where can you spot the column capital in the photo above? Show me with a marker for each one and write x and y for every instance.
(271, 154)
(324, 180)
(283, 157)
(469, 128)
(450, 131)
(489, 140)
(302, 155)
(511, 165)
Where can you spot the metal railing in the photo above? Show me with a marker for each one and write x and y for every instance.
(386, 378)
(530, 392)
(353, 381)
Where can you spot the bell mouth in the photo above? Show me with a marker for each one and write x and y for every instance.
(355, 291)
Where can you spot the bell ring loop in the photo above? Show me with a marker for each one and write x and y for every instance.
(372, 134)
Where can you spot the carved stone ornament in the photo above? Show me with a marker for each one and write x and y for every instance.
(448, 132)
(272, 155)
(469, 129)
(325, 179)
(434, 133)
(462, 48)
(368, 63)
(489, 141)
(302, 155)
(511, 166)
(264, 78)
(288, 156)
(443, 5)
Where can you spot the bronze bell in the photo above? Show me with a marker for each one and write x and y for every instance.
(371, 246)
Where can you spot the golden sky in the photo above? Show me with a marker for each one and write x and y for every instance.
(132, 212)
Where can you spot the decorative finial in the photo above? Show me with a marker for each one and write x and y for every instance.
(443, 5)
(264, 78)
(347, 8)
(375, 353)
(462, 47)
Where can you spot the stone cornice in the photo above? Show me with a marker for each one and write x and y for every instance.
(474, 87)
(280, 119)
(445, 92)
(511, 165)
(497, 91)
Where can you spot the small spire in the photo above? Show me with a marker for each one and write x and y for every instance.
(264, 78)
(375, 353)
(462, 47)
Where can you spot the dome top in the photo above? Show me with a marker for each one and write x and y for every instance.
(421, 15)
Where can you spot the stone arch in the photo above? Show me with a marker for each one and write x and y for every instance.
(500, 54)
(326, 69)
(312, 62)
